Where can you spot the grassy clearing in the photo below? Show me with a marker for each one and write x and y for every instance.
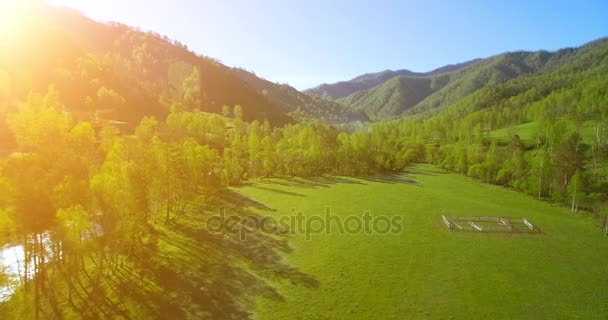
(429, 271)
(527, 132)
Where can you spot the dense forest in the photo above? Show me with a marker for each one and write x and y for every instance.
(562, 158)
(109, 145)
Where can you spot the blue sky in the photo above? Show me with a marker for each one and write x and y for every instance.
(305, 43)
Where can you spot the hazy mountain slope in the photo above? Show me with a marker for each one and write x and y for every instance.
(391, 97)
(219, 85)
(301, 105)
(116, 72)
(222, 85)
(367, 81)
(136, 65)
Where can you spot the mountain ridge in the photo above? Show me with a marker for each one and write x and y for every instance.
(406, 95)
(365, 81)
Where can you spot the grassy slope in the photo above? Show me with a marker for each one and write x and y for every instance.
(527, 132)
(428, 271)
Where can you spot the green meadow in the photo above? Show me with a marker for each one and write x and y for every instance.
(528, 132)
(428, 271)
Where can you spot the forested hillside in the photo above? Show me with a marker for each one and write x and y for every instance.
(393, 97)
(407, 94)
(112, 72)
(562, 155)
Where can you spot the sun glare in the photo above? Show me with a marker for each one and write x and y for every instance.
(15, 17)
(12, 15)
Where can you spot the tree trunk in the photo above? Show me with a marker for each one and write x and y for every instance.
(574, 196)
(594, 148)
(25, 261)
(540, 178)
(168, 207)
(36, 278)
(167, 181)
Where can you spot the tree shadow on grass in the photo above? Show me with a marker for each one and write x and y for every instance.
(310, 182)
(233, 199)
(295, 182)
(198, 273)
(433, 171)
(328, 181)
(392, 178)
(182, 270)
(284, 192)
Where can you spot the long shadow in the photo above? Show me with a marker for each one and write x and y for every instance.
(186, 271)
(296, 182)
(288, 193)
(392, 178)
(328, 181)
(425, 172)
(235, 200)
(181, 270)
(310, 182)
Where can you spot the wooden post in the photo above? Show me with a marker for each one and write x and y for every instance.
(446, 221)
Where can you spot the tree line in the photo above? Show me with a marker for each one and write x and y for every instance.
(77, 194)
(561, 151)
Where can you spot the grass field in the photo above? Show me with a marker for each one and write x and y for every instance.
(527, 132)
(428, 271)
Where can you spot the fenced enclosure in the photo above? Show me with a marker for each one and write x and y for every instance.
(489, 224)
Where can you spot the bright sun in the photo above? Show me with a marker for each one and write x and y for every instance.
(14, 16)
(11, 15)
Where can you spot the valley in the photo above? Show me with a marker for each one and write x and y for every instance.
(145, 178)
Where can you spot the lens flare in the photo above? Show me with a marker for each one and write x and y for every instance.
(12, 17)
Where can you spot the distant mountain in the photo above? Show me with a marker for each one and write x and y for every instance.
(393, 96)
(409, 94)
(299, 105)
(369, 80)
